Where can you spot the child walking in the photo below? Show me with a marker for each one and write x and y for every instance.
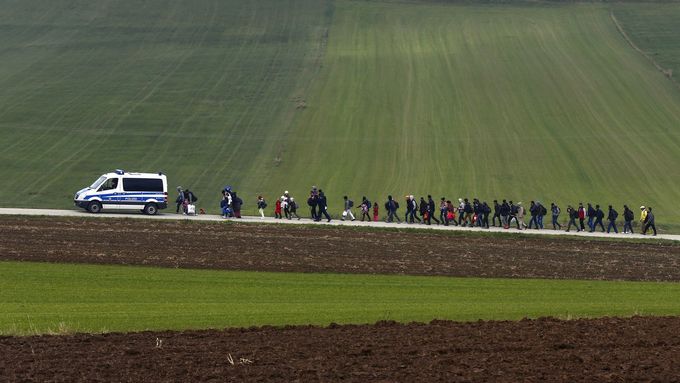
(261, 205)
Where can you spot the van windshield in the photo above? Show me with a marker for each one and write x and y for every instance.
(98, 182)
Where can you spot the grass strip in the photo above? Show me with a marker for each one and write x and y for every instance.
(38, 298)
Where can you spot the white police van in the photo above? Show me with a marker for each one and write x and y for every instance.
(121, 190)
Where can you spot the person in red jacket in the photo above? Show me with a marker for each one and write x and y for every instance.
(375, 212)
(581, 215)
(277, 209)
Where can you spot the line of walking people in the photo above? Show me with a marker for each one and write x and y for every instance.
(468, 213)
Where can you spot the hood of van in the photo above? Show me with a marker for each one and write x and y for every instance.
(81, 191)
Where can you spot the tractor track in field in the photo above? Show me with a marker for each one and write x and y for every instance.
(585, 350)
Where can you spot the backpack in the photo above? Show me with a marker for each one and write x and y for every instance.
(350, 203)
(628, 215)
(542, 210)
(615, 214)
(396, 205)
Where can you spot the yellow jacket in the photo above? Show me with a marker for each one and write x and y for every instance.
(643, 215)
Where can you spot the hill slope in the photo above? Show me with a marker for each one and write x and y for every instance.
(521, 102)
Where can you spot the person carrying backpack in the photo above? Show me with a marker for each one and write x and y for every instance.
(261, 205)
(391, 209)
(611, 217)
(573, 214)
(542, 212)
(514, 214)
(348, 203)
(592, 214)
(649, 222)
(486, 210)
(628, 218)
(521, 212)
(599, 215)
(533, 210)
(323, 207)
(496, 212)
(555, 215)
(292, 207)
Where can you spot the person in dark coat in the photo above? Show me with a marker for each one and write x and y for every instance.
(611, 217)
(628, 217)
(391, 209)
(573, 214)
(534, 211)
(425, 211)
(649, 221)
(322, 204)
(592, 214)
(432, 208)
(599, 215)
(505, 212)
(313, 202)
(555, 210)
(496, 212)
(236, 203)
(486, 211)
(443, 212)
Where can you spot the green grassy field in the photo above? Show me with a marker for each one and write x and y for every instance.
(45, 298)
(495, 101)
(654, 29)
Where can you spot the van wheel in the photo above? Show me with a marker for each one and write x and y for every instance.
(94, 207)
(150, 209)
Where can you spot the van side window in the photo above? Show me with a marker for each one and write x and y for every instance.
(110, 184)
(143, 184)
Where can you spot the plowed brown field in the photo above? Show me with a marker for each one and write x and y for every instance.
(328, 249)
(544, 350)
(598, 350)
